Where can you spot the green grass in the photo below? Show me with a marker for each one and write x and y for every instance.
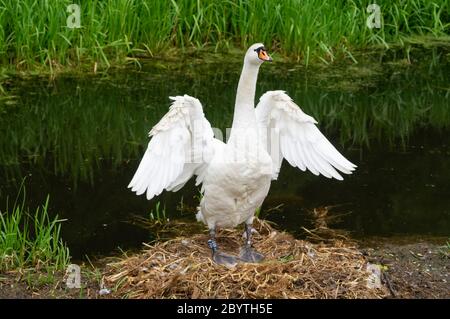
(258, 212)
(34, 32)
(158, 215)
(444, 251)
(31, 239)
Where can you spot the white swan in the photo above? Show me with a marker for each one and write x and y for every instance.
(235, 176)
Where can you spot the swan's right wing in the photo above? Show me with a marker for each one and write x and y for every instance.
(293, 135)
(181, 145)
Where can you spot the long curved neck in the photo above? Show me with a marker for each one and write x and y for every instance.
(244, 109)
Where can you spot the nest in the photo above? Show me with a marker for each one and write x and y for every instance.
(182, 268)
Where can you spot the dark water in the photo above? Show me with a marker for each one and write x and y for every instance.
(80, 139)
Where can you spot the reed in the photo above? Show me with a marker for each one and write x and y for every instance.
(34, 32)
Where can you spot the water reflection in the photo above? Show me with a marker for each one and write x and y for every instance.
(79, 140)
(72, 124)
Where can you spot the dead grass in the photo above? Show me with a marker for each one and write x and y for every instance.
(182, 268)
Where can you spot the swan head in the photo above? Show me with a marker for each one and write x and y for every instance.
(257, 54)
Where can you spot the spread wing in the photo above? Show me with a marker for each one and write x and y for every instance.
(180, 147)
(293, 135)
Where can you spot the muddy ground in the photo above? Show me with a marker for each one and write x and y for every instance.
(412, 270)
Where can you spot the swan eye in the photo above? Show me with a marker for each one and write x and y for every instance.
(258, 50)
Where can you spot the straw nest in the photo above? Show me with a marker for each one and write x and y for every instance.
(182, 268)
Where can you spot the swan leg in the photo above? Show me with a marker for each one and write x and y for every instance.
(248, 254)
(218, 256)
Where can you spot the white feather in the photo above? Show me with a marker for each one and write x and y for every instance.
(165, 164)
(301, 142)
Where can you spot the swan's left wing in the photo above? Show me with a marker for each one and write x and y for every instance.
(181, 146)
(291, 134)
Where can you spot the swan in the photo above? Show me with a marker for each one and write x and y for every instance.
(236, 175)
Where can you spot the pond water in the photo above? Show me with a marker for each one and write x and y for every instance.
(80, 139)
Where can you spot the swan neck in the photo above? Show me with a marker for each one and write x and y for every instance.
(244, 111)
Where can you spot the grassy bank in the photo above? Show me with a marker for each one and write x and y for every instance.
(331, 268)
(31, 239)
(34, 33)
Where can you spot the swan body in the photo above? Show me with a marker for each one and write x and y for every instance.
(236, 175)
(234, 189)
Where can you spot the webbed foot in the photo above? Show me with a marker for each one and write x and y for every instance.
(250, 255)
(222, 258)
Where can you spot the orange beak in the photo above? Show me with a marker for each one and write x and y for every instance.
(264, 56)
